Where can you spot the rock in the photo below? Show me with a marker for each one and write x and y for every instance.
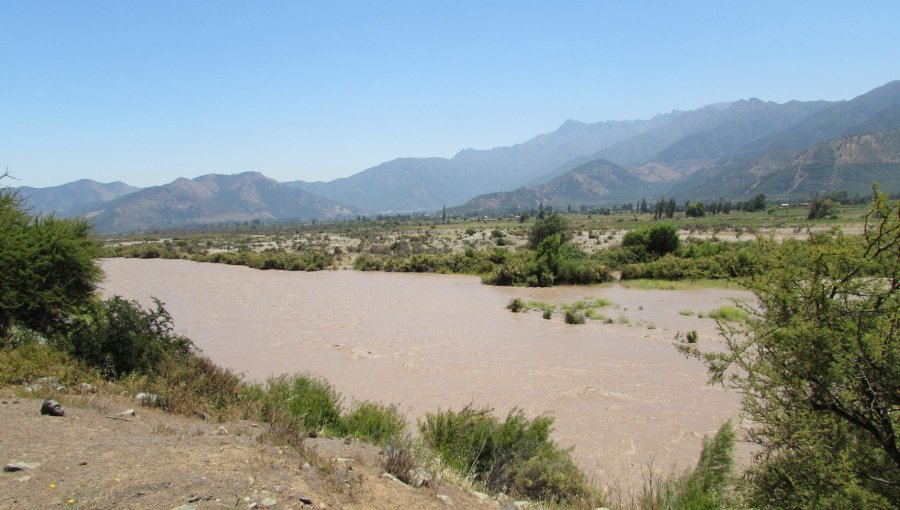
(14, 466)
(127, 412)
(446, 499)
(518, 505)
(189, 506)
(253, 505)
(51, 407)
(419, 477)
(305, 466)
(481, 496)
(86, 388)
(305, 500)
(268, 502)
(203, 416)
(221, 431)
(394, 478)
(148, 399)
(33, 388)
(53, 382)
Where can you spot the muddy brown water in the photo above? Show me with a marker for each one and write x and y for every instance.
(620, 393)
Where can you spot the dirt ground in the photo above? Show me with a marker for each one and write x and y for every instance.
(94, 457)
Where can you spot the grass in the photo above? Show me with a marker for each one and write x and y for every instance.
(703, 283)
(517, 305)
(515, 455)
(686, 313)
(729, 314)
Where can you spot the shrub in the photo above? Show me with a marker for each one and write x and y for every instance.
(399, 459)
(118, 336)
(191, 384)
(728, 313)
(516, 305)
(516, 455)
(310, 400)
(692, 336)
(574, 317)
(374, 422)
(48, 268)
(546, 227)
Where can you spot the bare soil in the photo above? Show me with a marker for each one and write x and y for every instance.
(96, 458)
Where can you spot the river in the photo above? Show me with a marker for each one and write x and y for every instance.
(620, 393)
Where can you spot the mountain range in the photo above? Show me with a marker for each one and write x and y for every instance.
(727, 150)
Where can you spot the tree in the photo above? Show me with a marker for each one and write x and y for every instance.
(655, 241)
(547, 226)
(670, 208)
(819, 368)
(48, 268)
(757, 203)
(694, 209)
(822, 208)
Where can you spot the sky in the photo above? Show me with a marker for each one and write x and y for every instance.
(146, 92)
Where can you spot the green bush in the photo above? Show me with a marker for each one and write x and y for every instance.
(546, 227)
(374, 422)
(574, 317)
(313, 402)
(516, 455)
(728, 313)
(118, 336)
(47, 268)
(516, 305)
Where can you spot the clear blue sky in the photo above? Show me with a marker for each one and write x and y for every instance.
(145, 92)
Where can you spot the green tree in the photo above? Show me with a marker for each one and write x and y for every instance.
(547, 226)
(822, 208)
(757, 203)
(120, 337)
(694, 209)
(819, 368)
(48, 268)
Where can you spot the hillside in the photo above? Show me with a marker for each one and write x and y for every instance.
(720, 150)
(424, 184)
(595, 182)
(212, 199)
(850, 163)
(71, 198)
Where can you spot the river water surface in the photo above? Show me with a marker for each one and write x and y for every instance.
(620, 393)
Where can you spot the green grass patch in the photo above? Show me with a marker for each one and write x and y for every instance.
(516, 455)
(702, 283)
(729, 313)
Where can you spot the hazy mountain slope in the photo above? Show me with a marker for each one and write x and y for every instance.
(698, 138)
(69, 199)
(738, 125)
(212, 199)
(595, 182)
(429, 183)
(401, 185)
(843, 118)
(849, 163)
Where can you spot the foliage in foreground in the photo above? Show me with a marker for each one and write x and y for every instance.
(516, 455)
(48, 268)
(706, 487)
(819, 369)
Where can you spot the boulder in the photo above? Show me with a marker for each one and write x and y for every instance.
(51, 407)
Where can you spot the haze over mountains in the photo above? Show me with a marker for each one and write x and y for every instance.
(728, 150)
